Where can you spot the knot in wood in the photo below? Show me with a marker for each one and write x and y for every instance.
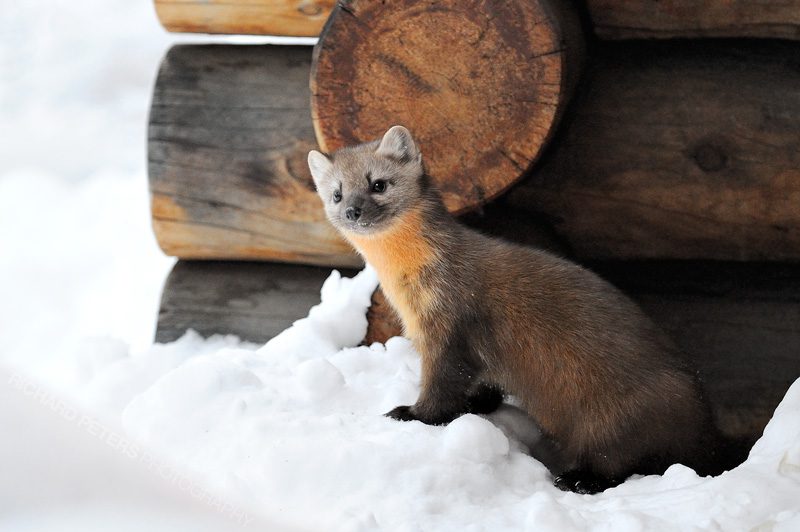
(710, 157)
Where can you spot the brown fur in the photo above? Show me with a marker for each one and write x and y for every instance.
(608, 388)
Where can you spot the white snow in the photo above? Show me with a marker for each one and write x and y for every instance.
(297, 425)
(293, 429)
(78, 257)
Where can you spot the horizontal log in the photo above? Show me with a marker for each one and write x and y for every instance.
(230, 129)
(684, 150)
(649, 19)
(300, 18)
(740, 322)
(252, 300)
(482, 85)
(612, 19)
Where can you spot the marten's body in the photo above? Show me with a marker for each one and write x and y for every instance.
(608, 389)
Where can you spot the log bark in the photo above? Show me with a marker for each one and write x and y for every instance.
(230, 129)
(612, 19)
(684, 150)
(659, 19)
(252, 300)
(739, 322)
(300, 18)
(481, 85)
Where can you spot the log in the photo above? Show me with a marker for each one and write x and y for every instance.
(612, 19)
(300, 18)
(654, 19)
(481, 85)
(230, 129)
(740, 322)
(684, 150)
(252, 300)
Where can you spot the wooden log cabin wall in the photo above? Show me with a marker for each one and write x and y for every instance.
(626, 135)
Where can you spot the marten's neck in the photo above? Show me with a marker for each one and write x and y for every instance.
(401, 253)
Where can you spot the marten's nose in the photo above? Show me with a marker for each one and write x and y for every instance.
(353, 213)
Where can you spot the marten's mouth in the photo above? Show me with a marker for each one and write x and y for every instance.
(363, 226)
(368, 223)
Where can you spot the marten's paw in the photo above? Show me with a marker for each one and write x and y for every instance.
(583, 482)
(410, 413)
(401, 413)
(485, 399)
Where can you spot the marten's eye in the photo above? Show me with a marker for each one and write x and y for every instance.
(379, 186)
(337, 196)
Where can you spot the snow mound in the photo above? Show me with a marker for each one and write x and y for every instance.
(295, 429)
(476, 439)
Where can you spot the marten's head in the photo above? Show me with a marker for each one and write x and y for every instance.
(365, 188)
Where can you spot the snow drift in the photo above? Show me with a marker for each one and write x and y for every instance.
(295, 429)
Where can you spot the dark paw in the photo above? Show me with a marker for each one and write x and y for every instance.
(401, 413)
(485, 400)
(583, 482)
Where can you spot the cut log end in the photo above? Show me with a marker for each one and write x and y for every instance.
(480, 87)
(383, 322)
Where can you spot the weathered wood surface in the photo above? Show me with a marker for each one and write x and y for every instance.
(300, 18)
(252, 300)
(612, 19)
(662, 19)
(481, 85)
(739, 322)
(684, 150)
(230, 129)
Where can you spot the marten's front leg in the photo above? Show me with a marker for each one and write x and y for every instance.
(448, 383)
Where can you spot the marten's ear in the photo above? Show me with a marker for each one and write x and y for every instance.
(320, 166)
(397, 143)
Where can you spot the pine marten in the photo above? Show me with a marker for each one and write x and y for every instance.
(608, 389)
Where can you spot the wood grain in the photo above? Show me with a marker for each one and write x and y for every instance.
(252, 300)
(739, 322)
(684, 150)
(230, 129)
(481, 85)
(611, 19)
(666, 19)
(300, 18)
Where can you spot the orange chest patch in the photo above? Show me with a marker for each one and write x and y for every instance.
(398, 255)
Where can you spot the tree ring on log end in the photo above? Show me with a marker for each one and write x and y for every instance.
(481, 85)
